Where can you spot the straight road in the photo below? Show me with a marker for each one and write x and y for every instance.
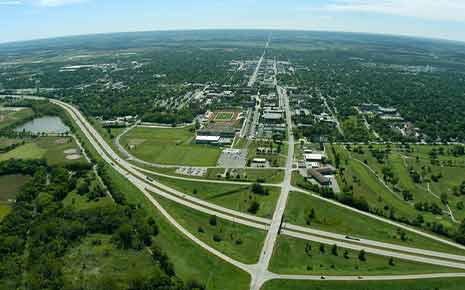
(270, 241)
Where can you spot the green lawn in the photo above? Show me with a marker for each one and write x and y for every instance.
(237, 197)
(291, 257)
(26, 151)
(237, 241)
(224, 116)
(10, 185)
(170, 146)
(55, 148)
(427, 284)
(50, 148)
(331, 218)
(4, 210)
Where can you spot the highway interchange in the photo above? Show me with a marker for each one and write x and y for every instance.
(259, 272)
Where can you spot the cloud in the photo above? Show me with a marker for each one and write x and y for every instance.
(444, 10)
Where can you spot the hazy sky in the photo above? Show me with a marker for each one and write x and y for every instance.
(28, 19)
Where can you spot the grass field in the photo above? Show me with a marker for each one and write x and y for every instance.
(291, 257)
(170, 146)
(335, 219)
(50, 148)
(237, 241)
(10, 186)
(96, 257)
(26, 151)
(190, 261)
(8, 118)
(224, 116)
(401, 159)
(237, 197)
(428, 284)
(366, 184)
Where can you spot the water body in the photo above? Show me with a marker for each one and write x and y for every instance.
(49, 125)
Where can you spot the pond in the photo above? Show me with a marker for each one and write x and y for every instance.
(49, 125)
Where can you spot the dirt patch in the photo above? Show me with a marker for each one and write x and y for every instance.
(71, 151)
(61, 141)
(73, 157)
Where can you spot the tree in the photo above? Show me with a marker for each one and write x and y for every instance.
(362, 256)
(254, 207)
(213, 220)
(444, 198)
(346, 254)
(322, 248)
(391, 261)
(334, 250)
(308, 249)
(123, 236)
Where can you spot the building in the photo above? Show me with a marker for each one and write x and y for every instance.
(200, 139)
(323, 180)
(319, 174)
(314, 157)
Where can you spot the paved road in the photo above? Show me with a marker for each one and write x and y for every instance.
(253, 78)
(384, 220)
(371, 243)
(420, 259)
(111, 157)
(270, 240)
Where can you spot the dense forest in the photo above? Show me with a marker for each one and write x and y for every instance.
(44, 226)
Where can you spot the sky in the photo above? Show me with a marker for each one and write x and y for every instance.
(31, 19)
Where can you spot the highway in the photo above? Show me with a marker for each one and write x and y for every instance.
(259, 272)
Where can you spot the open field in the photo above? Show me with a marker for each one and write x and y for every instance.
(190, 261)
(169, 146)
(237, 197)
(292, 256)
(436, 167)
(9, 118)
(428, 284)
(365, 182)
(97, 257)
(335, 219)
(237, 241)
(51, 149)
(10, 186)
(26, 151)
